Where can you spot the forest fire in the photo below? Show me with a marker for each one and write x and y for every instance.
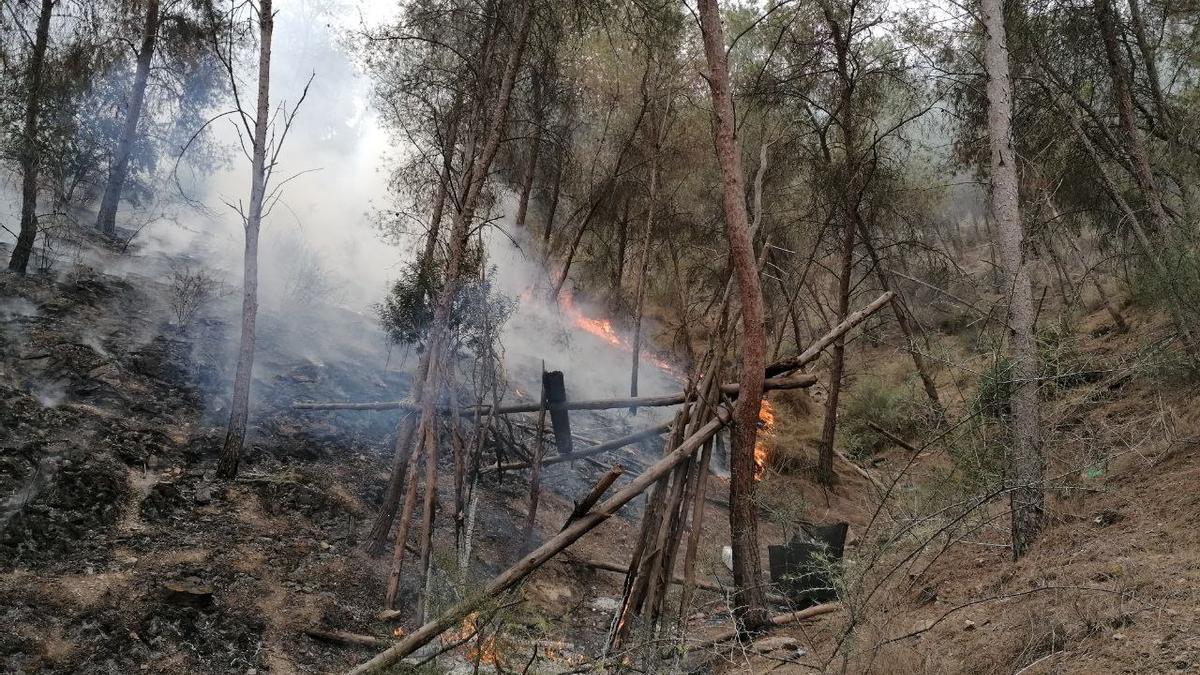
(482, 651)
(604, 330)
(601, 328)
(766, 422)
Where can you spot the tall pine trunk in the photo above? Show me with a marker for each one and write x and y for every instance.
(106, 221)
(19, 262)
(749, 599)
(852, 189)
(240, 407)
(1025, 459)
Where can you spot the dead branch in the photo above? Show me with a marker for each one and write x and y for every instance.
(344, 638)
(814, 350)
(587, 452)
(624, 569)
(892, 437)
(772, 622)
(597, 491)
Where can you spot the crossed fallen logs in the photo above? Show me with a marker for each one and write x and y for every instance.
(703, 415)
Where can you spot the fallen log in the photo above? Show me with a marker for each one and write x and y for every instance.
(730, 389)
(536, 558)
(344, 638)
(814, 350)
(624, 569)
(893, 437)
(883, 489)
(772, 622)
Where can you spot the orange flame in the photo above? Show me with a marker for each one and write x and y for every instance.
(604, 330)
(766, 421)
(485, 652)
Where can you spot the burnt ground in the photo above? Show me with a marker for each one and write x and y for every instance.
(120, 551)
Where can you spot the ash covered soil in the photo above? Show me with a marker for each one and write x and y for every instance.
(121, 552)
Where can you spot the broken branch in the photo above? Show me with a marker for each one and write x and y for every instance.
(602, 485)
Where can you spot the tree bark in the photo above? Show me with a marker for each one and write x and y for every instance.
(1025, 464)
(240, 406)
(443, 187)
(749, 599)
(106, 220)
(19, 262)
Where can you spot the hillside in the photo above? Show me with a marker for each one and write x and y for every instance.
(123, 551)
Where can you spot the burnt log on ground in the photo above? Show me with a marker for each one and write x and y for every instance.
(731, 389)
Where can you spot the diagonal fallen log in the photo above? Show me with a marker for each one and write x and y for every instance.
(814, 350)
(555, 545)
(344, 638)
(893, 437)
(593, 496)
(730, 389)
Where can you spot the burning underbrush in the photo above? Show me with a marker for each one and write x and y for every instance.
(119, 547)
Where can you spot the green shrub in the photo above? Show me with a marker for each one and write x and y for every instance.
(476, 314)
(1060, 367)
(900, 409)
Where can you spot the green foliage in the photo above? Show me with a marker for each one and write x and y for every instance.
(781, 502)
(1060, 367)
(476, 313)
(901, 409)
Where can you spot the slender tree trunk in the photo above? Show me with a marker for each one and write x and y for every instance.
(622, 247)
(643, 266)
(553, 208)
(901, 312)
(240, 406)
(106, 221)
(851, 198)
(1135, 145)
(1026, 495)
(749, 600)
(19, 261)
(534, 149)
(595, 205)
(443, 186)
(1150, 61)
(1174, 302)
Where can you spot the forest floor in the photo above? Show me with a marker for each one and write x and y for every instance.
(120, 551)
